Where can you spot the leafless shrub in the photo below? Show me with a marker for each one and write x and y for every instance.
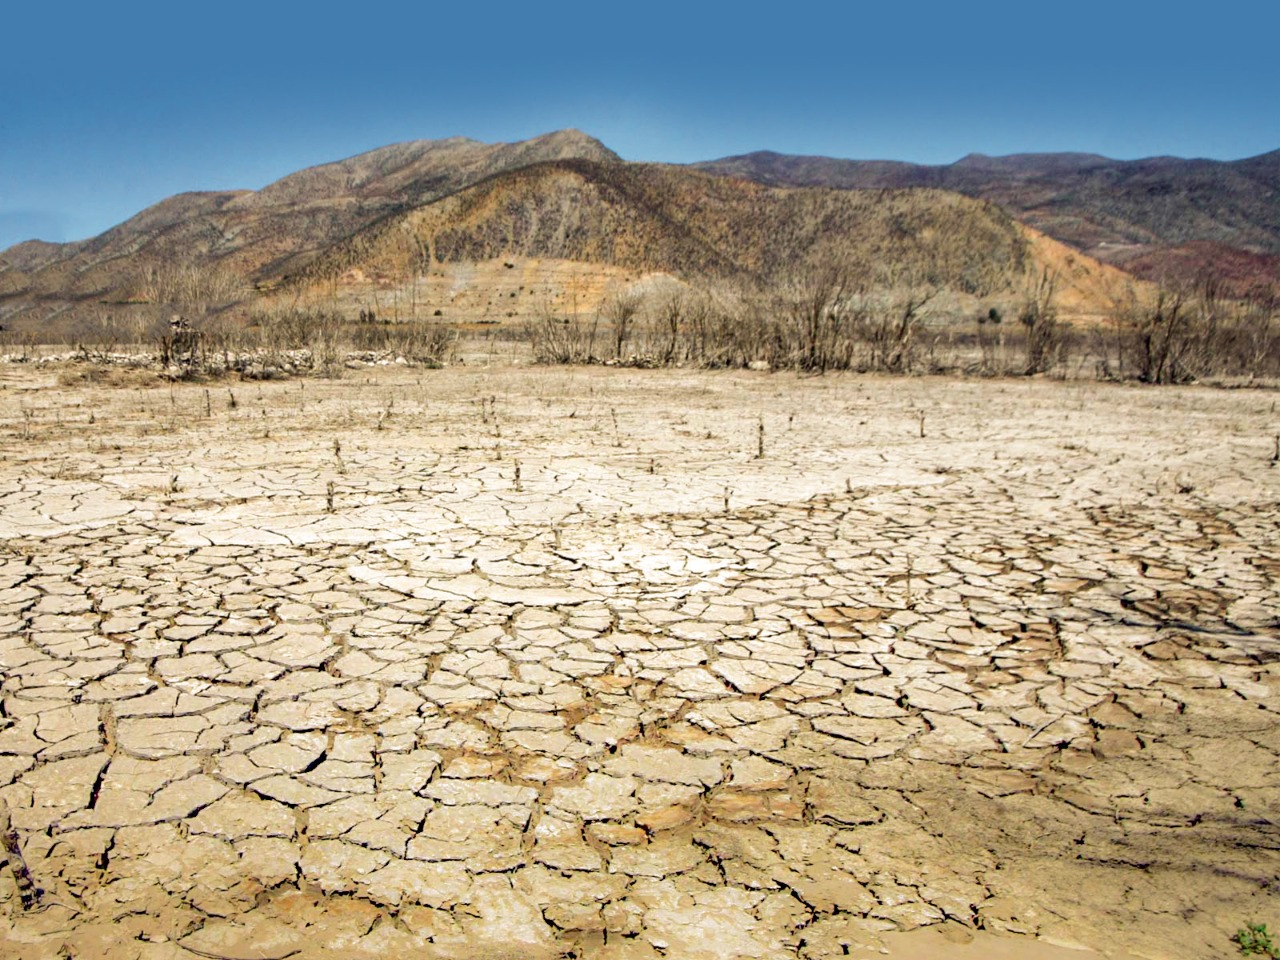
(1163, 339)
(989, 337)
(562, 339)
(671, 312)
(1040, 319)
(823, 313)
(182, 348)
(311, 337)
(735, 329)
(190, 285)
(1255, 339)
(621, 310)
(417, 341)
(890, 321)
(1191, 331)
(106, 334)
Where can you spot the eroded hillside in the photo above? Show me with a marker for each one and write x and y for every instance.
(414, 229)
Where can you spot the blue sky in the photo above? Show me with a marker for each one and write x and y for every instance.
(106, 108)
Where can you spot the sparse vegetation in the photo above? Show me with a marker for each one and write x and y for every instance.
(1192, 332)
(557, 339)
(274, 342)
(1216, 216)
(1253, 939)
(915, 268)
(831, 319)
(1040, 317)
(189, 285)
(845, 319)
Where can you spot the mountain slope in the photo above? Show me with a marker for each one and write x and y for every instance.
(406, 212)
(278, 228)
(694, 225)
(633, 220)
(1135, 212)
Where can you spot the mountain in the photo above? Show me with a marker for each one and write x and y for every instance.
(508, 246)
(1157, 217)
(656, 218)
(262, 234)
(475, 231)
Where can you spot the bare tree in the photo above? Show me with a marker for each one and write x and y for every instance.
(1040, 317)
(891, 316)
(1258, 336)
(670, 313)
(100, 335)
(621, 309)
(819, 311)
(1172, 338)
(191, 286)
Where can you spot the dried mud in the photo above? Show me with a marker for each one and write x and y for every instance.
(624, 664)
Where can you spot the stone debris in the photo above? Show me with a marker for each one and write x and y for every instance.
(1009, 677)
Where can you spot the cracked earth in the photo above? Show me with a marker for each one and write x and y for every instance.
(625, 664)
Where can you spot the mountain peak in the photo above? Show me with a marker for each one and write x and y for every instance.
(571, 143)
(413, 170)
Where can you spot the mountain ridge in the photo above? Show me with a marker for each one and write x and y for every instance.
(668, 218)
(262, 233)
(1149, 213)
(465, 199)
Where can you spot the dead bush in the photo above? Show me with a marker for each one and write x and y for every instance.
(417, 341)
(1039, 318)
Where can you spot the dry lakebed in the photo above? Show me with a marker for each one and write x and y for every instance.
(612, 664)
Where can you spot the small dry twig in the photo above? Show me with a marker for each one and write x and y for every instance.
(28, 892)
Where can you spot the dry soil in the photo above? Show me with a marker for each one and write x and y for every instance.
(621, 664)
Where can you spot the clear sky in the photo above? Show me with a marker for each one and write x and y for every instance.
(107, 107)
